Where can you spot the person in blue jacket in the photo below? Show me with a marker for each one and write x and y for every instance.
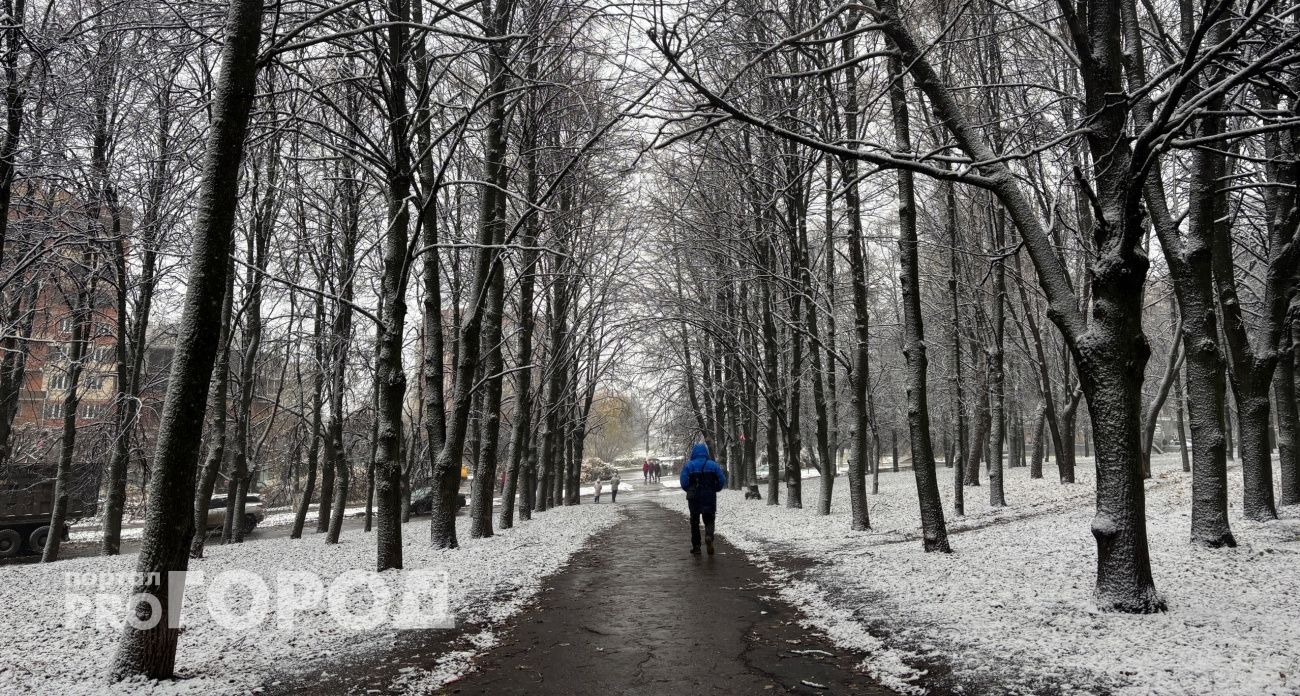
(702, 478)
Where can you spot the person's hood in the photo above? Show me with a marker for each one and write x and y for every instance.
(700, 451)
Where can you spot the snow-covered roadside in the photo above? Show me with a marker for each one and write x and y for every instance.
(91, 530)
(283, 519)
(489, 581)
(1011, 610)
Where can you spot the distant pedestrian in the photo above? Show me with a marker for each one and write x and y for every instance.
(613, 488)
(659, 470)
(645, 471)
(599, 486)
(702, 478)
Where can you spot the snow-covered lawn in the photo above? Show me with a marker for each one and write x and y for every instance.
(1011, 610)
(489, 581)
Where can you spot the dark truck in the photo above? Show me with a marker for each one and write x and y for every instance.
(27, 499)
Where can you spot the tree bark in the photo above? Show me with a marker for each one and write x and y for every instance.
(484, 303)
(523, 378)
(317, 405)
(1288, 423)
(997, 379)
(81, 313)
(933, 529)
(217, 437)
(859, 380)
(151, 652)
(390, 375)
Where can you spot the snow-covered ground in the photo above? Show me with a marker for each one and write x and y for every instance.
(1011, 610)
(90, 530)
(489, 581)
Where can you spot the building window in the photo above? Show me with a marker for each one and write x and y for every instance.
(58, 382)
(53, 409)
(65, 324)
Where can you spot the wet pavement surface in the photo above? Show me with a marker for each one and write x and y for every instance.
(662, 621)
(633, 613)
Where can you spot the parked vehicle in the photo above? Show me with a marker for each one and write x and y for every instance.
(254, 512)
(422, 501)
(27, 499)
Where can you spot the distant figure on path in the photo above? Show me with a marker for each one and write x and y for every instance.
(645, 471)
(599, 486)
(702, 478)
(613, 488)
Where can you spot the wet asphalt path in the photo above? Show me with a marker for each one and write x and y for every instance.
(635, 613)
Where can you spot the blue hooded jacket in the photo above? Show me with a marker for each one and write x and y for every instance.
(711, 479)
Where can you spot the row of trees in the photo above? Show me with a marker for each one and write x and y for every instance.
(983, 170)
(832, 181)
(258, 193)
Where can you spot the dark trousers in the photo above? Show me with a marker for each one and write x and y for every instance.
(695, 526)
(613, 496)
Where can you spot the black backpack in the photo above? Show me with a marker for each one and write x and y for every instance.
(700, 483)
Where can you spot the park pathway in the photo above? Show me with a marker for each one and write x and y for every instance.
(636, 614)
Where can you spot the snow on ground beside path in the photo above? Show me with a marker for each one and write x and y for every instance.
(490, 580)
(1011, 610)
(93, 532)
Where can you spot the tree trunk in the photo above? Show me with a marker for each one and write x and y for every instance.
(485, 302)
(13, 367)
(1172, 365)
(979, 441)
(771, 368)
(860, 379)
(1036, 454)
(390, 375)
(217, 437)
(1288, 422)
(81, 316)
(933, 529)
(314, 433)
(340, 341)
(151, 652)
(997, 385)
(1253, 417)
(795, 220)
(490, 427)
(264, 206)
(958, 401)
(523, 378)
(130, 378)
(821, 418)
